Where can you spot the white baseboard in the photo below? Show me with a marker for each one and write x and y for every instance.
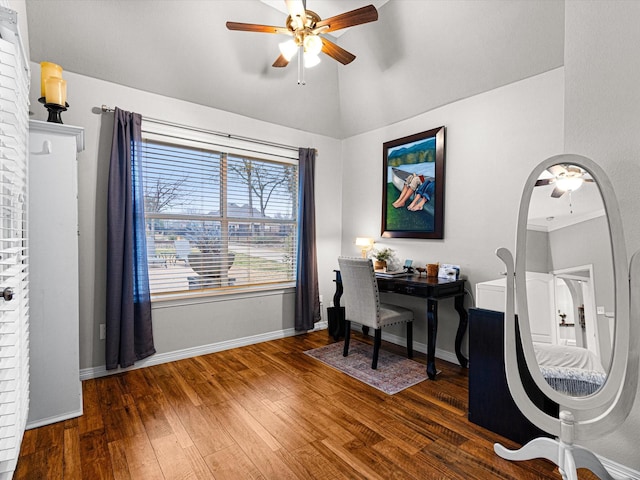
(619, 471)
(422, 348)
(57, 418)
(159, 358)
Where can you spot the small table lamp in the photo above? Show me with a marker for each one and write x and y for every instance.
(365, 243)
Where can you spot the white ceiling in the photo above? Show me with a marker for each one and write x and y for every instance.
(419, 55)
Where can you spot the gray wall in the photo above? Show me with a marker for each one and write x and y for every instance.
(491, 147)
(602, 101)
(587, 243)
(538, 258)
(181, 325)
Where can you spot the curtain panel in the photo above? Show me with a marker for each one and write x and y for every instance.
(307, 290)
(128, 323)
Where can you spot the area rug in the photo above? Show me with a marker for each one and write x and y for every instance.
(394, 373)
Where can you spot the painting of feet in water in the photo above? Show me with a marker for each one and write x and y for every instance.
(413, 186)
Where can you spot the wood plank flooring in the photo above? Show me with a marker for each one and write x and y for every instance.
(268, 411)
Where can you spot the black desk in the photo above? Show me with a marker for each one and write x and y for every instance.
(433, 289)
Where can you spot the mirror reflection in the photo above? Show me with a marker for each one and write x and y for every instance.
(570, 291)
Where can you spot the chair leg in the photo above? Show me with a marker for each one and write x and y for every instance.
(347, 337)
(377, 340)
(409, 339)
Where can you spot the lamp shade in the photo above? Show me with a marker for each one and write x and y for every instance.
(364, 241)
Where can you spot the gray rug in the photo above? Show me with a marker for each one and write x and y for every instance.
(394, 373)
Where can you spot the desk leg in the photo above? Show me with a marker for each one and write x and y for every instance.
(462, 328)
(432, 332)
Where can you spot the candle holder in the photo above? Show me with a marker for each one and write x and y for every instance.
(54, 110)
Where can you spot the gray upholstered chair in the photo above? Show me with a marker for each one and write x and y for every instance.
(362, 305)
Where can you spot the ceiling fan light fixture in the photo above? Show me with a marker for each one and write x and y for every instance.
(288, 49)
(569, 184)
(311, 60)
(312, 44)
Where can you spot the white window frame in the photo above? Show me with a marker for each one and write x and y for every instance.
(173, 134)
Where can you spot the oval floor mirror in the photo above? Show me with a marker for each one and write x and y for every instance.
(581, 343)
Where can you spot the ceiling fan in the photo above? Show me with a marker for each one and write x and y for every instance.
(566, 178)
(306, 27)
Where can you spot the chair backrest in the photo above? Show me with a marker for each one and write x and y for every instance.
(362, 300)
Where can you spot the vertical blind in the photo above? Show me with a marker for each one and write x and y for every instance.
(217, 219)
(14, 351)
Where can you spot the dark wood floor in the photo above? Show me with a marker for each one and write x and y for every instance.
(268, 411)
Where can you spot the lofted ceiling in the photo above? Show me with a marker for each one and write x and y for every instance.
(419, 55)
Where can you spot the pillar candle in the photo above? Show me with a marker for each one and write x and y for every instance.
(48, 69)
(55, 91)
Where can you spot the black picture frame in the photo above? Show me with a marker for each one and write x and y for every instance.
(418, 160)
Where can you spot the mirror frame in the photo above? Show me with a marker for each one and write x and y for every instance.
(604, 410)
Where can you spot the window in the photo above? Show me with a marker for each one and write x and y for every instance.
(217, 220)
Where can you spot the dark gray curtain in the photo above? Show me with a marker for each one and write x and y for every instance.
(129, 332)
(307, 292)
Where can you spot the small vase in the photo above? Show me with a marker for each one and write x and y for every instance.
(380, 265)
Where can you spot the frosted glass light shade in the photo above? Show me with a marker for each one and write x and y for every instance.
(312, 44)
(311, 60)
(570, 184)
(288, 49)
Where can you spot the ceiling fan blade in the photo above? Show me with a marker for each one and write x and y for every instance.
(557, 170)
(557, 193)
(295, 8)
(281, 61)
(336, 52)
(544, 181)
(252, 27)
(348, 19)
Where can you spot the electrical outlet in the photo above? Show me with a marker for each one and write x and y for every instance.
(103, 331)
(600, 310)
(320, 299)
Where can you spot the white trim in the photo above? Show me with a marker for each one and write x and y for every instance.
(159, 358)
(619, 471)
(445, 355)
(160, 300)
(59, 128)
(41, 422)
(567, 221)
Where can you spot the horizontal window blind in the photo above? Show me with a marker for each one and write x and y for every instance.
(14, 313)
(217, 220)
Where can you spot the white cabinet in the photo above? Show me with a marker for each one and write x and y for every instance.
(491, 295)
(56, 391)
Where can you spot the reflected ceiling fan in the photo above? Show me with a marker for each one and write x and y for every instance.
(306, 27)
(566, 178)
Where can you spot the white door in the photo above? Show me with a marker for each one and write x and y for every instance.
(540, 298)
(14, 304)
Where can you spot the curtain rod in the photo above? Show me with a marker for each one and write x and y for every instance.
(106, 109)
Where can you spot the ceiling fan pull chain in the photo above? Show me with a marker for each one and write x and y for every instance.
(301, 66)
(570, 203)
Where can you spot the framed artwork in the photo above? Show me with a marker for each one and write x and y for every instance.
(413, 186)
